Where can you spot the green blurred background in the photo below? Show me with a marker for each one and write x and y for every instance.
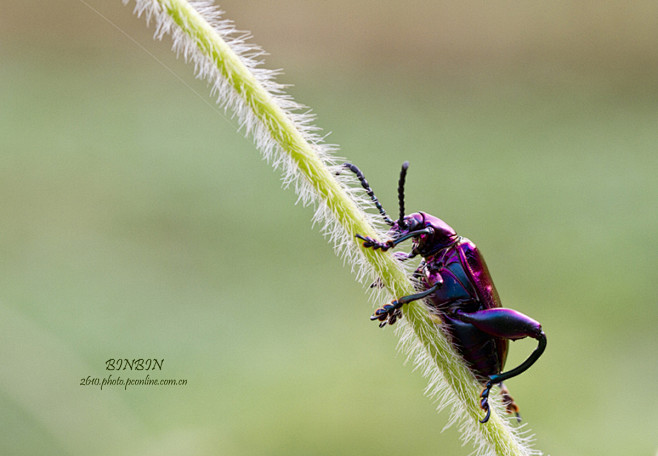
(136, 223)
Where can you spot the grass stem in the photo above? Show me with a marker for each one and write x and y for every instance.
(287, 139)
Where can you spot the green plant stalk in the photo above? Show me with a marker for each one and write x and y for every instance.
(286, 134)
(496, 436)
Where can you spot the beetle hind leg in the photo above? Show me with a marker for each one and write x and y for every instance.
(508, 402)
(484, 402)
(505, 324)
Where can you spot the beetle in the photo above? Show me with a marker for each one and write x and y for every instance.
(455, 283)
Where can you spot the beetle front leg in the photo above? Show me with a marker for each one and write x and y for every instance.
(505, 324)
(391, 312)
(369, 242)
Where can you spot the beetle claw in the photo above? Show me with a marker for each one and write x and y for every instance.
(369, 242)
(377, 283)
(484, 402)
(387, 314)
(486, 417)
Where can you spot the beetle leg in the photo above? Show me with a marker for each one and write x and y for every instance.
(370, 242)
(412, 234)
(389, 313)
(505, 324)
(377, 283)
(484, 402)
(419, 273)
(509, 403)
(400, 256)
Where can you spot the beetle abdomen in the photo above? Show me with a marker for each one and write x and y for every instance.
(478, 349)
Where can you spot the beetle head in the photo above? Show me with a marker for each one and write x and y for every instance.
(436, 234)
(429, 234)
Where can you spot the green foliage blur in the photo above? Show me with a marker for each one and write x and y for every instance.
(137, 223)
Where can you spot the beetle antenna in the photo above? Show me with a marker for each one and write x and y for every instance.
(403, 177)
(366, 186)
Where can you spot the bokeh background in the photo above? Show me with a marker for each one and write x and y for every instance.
(137, 223)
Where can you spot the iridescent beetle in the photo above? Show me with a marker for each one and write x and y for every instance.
(456, 282)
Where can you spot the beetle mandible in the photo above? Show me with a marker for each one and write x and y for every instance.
(454, 278)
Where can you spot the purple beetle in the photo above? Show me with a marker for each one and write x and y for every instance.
(454, 278)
